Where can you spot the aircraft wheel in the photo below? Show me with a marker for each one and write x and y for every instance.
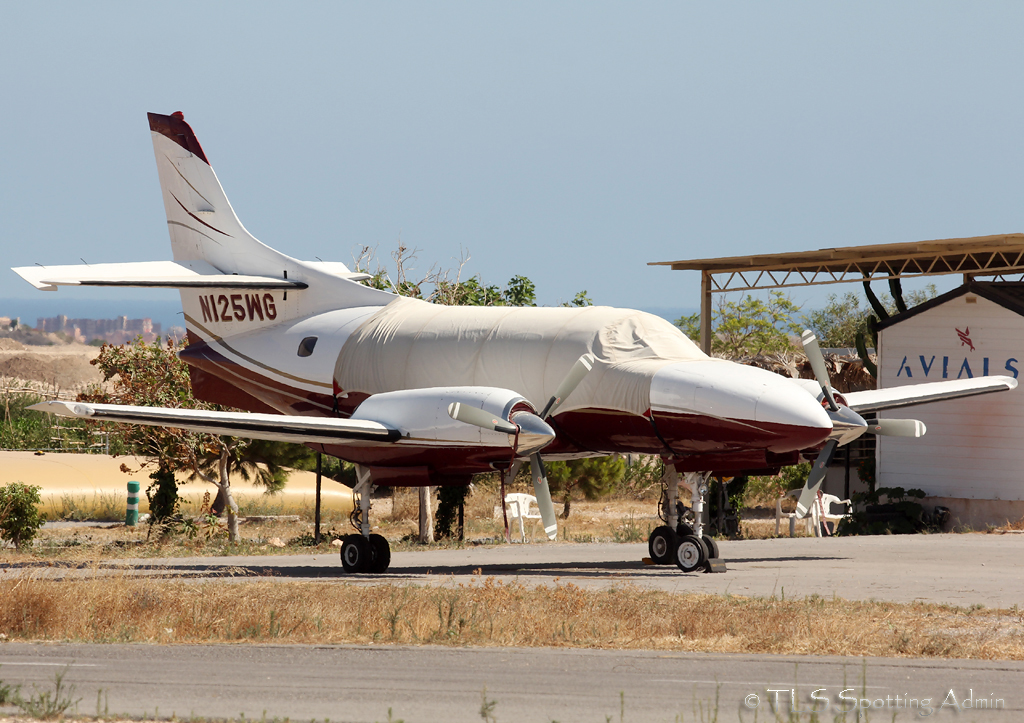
(380, 554)
(711, 546)
(662, 544)
(356, 555)
(690, 554)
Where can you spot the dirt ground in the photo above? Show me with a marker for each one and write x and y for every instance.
(63, 367)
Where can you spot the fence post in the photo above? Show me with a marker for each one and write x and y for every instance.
(131, 517)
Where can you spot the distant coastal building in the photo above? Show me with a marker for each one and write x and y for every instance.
(115, 331)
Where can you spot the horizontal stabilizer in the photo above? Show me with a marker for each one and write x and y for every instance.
(337, 268)
(193, 274)
(877, 400)
(275, 427)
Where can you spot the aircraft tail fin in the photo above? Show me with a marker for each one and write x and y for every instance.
(202, 224)
(205, 231)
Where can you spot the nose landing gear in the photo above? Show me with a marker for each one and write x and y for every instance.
(676, 541)
(364, 552)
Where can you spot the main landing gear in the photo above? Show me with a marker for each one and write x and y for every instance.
(364, 552)
(676, 541)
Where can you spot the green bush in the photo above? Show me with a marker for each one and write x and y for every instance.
(19, 513)
(162, 495)
(446, 519)
(765, 490)
(899, 515)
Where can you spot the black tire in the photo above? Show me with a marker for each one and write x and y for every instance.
(683, 529)
(690, 554)
(662, 545)
(380, 554)
(712, 547)
(356, 555)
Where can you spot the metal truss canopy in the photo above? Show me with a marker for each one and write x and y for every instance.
(998, 256)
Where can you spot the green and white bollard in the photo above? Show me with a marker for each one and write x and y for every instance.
(131, 517)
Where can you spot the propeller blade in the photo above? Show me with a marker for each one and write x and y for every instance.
(572, 380)
(543, 494)
(898, 427)
(810, 491)
(474, 415)
(810, 342)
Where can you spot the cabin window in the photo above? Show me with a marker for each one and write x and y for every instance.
(307, 345)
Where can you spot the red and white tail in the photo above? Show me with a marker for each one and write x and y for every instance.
(201, 222)
(206, 232)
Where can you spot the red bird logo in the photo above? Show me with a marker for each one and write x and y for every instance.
(965, 337)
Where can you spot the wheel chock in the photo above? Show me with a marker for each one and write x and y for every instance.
(715, 564)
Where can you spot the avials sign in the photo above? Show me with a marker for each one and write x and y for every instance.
(961, 368)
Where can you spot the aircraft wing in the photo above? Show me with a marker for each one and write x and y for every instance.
(149, 274)
(908, 396)
(275, 427)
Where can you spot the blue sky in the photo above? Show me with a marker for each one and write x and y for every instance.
(568, 142)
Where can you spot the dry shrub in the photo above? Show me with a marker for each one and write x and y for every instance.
(405, 505)
(491, 613)
(481, 501)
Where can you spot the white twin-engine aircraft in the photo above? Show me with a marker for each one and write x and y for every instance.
(416, 394)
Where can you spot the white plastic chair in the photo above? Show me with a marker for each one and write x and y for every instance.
(821, 511)
(518, 505)
(826, 514)
(791, 516)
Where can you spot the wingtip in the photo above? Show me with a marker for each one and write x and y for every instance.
(63, 409)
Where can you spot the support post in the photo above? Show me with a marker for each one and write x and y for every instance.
(705, 311)
(426, 514)
(131, 517)
(846, 483)
(316, 514)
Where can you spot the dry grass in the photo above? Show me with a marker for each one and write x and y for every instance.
(490, 613)
(612, 520)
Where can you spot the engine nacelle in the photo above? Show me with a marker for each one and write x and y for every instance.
(421, 415)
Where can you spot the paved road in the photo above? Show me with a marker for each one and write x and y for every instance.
(442, 684)
(956, 569)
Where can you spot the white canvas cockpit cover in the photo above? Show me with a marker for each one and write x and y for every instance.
(412, 344)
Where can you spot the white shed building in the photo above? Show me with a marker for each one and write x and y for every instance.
(972, 458)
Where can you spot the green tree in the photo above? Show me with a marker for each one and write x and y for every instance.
(838, 323)
(595, 477)
(162, 494)
(449, 497)
(520, 291)
(447, 287)
(581, 299)
(748, 327)
(153, 375)
(19, 513)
